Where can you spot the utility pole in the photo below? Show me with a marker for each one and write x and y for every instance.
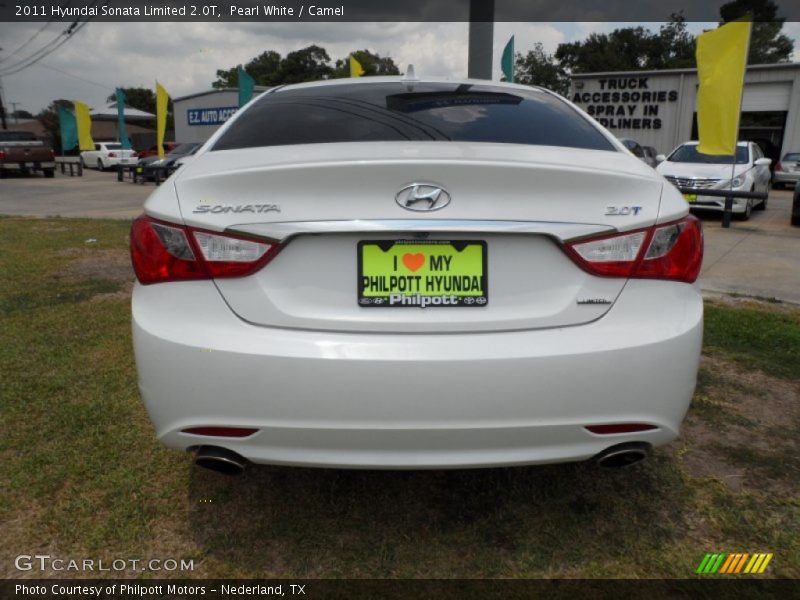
(481, 39)
(2, 106)
(14, 112)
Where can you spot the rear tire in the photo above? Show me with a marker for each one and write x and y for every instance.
(100, 166)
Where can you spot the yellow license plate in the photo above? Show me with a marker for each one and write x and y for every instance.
(412, 274)
(690, 197)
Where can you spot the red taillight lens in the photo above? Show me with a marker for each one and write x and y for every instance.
(52, 155)
(112, 155)
(168, 252)
(2, 154)
(235, 432)
(779, 167)
(671, 251)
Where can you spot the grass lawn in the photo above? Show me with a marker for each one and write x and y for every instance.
(82, 475)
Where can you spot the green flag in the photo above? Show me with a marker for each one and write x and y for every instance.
(507, 61)
(121, 129)
(246, 85)
(69, 129)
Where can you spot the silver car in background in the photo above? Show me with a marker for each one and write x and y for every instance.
(787, 171)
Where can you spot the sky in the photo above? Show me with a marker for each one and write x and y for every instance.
(184, 57)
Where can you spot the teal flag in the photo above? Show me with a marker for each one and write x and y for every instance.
(121, 129)
(246, 85)
(507, 61)
(69, 129)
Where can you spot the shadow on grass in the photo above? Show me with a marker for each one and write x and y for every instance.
(528, 521)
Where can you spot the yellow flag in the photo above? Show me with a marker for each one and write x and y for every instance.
(721, 61)
(162, 102)
(356, 70)
(83, 121)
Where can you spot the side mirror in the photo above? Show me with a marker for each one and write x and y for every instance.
(763, 162)
(660, 158)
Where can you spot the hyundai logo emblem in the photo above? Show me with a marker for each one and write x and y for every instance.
(422, 197)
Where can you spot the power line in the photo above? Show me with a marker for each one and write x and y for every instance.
(34, 36)
(95, 83)
(51, 47)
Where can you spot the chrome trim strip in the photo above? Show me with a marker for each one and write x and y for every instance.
(282, 231)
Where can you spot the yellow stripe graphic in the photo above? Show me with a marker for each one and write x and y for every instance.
(753, 562)
(765, 563)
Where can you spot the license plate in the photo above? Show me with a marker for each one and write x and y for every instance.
(413, 274)
(690, 197)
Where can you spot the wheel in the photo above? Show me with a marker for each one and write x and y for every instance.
(100, 164)
(49, 173)
(748, 210)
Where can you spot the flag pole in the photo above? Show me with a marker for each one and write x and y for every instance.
(728, 211)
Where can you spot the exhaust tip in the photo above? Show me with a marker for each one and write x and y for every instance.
(623, 455)
(220, 460)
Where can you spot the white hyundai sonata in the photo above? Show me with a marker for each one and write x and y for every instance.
(392, 273)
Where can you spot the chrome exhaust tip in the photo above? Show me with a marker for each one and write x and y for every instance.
(623, 455)
(220, 460)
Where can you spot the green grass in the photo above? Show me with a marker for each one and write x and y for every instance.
(82, 474)
(756, 338)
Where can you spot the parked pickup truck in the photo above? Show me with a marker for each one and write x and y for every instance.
(21, 151)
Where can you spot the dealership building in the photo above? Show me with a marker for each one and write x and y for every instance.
(199, 115)
(658, 108)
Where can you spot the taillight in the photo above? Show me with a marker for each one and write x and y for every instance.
(779, 167)
(112, 155)
(671, 251)
(52, 155)
(2, 154)
(168, 252)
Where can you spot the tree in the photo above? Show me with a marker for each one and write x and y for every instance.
(49, 120)
(269, 69)
(22, 114)
(767, 43)
(265, 69)
(373, 64)
(631, 49)
(138, 97)
(674, 47)
(308, 64)
(540, 68)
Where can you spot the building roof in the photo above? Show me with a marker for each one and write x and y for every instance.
(110, 112)
(776, 66)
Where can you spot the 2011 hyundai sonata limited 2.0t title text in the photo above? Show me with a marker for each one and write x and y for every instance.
(402, 273)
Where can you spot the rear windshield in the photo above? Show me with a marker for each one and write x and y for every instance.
(382, 112)
(17, 136)
(113, 146)
(793, 156)
(688, 154)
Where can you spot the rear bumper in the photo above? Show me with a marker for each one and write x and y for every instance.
(35, 164)
(786, 176)
(416, 401)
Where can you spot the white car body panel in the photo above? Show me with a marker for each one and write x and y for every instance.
(416, 401)
(327, 383)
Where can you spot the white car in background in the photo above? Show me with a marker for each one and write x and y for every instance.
(685, 167)
(106, 155)
(403, 274)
